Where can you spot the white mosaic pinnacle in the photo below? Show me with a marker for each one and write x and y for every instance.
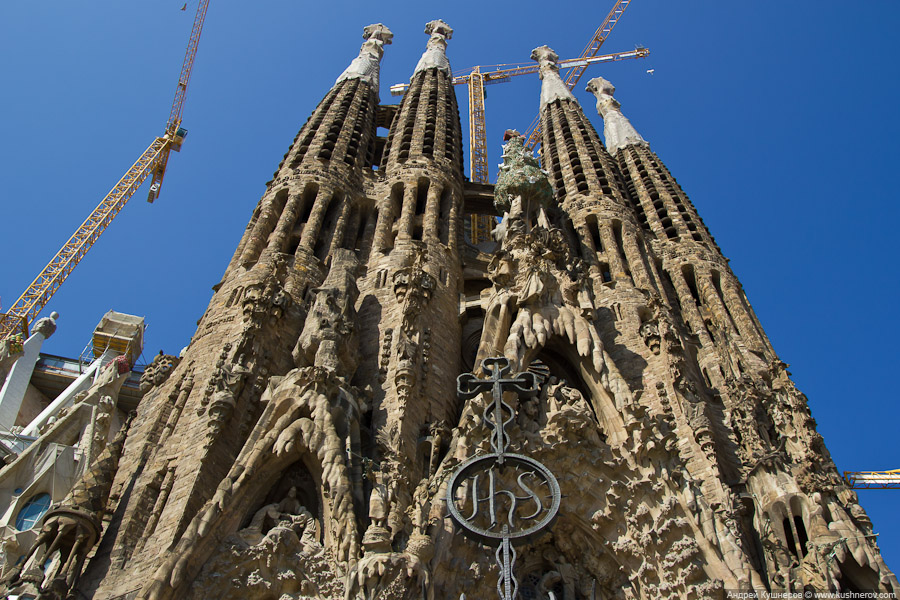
(552, 86)
(617, 129)
(435, 55)
(367, 65)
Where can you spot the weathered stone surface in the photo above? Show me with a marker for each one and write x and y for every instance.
(303, 446)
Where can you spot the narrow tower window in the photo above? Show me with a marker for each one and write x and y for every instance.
(688, 272)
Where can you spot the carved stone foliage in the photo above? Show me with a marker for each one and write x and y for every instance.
(520, 181)
(10, 351)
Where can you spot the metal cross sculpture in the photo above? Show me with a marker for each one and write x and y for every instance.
(522, 496)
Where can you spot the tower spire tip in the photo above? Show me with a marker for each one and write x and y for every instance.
(617, 129)
(552, 86)
(435, 56)
(366, 66)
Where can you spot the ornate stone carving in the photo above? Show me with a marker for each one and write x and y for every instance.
(45, 326)
(10, 351)
(617, 130)
(70, 529)
(435, 56)
(223, 391)
(552, 88)
(158, 371)
(413, 287)
(303, 413)
(538, 289)
(329, 338)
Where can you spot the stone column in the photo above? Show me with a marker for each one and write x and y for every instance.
(13, 391)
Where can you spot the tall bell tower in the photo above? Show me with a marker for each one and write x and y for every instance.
(374, 408)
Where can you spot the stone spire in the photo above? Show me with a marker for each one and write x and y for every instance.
(618, 130)
(552, 88)
(366, 66)
(435, 56)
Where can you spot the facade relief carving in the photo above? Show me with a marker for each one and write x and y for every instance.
(158, 371)
(685, 461)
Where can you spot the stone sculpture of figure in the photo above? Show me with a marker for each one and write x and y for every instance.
(228, 382)
(440, 432)
(818, 524)
(289, 504)
(231, 376)
(380, 499)
(550, 392)
(287, 511)
(862, 519)
(328, 339)
(529, 413)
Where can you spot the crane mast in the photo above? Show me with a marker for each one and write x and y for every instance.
(152, 161)
(478, 165)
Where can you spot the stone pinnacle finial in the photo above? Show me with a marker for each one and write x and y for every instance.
(435, 56)
(618, 130)
(552, 86)
(366, 65)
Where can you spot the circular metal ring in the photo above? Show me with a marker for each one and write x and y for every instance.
(485, 463)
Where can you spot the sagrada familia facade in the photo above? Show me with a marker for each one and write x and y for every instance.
(372, 407)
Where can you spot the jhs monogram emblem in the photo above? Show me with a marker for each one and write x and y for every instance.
(518, 499)
(501, 498)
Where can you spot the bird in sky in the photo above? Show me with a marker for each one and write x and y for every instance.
(184, 7)
(650, 71)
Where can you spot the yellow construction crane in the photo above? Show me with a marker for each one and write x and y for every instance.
(533, 133)
(476, 79)
(873, 480)
(152, 162)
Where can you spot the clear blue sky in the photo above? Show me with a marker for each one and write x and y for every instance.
(778, 119)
